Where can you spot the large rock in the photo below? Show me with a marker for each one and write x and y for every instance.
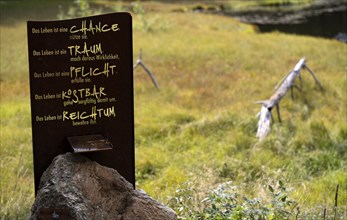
(86, 190)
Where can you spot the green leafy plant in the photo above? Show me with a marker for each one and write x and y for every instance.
(227, 202)
(280, 207)
(182, 203)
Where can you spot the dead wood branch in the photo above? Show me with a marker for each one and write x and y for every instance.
(281, 89)
(149, 73)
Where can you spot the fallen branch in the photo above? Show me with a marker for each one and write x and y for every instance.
(139, 62)
(287, 83)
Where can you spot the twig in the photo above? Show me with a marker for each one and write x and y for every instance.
(298, 212)
(324, 212)
(149, 73)
(336, 198)
(314, 77)
(292, 92)
(278, 113)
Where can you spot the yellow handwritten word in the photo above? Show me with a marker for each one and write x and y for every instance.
(96, 28)
(77, 50)
(76, 94)
(76, 72)
(93, 114)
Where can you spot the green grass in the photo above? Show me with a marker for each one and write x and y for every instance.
(16, 162)
(201, 125)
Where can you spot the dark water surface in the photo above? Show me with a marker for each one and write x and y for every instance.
(327, 25)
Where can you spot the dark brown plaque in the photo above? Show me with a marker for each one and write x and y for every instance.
(81, 85)
(89, 143)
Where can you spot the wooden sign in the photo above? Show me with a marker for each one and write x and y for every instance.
(81, 88)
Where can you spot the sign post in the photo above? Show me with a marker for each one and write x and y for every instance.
(81, 89)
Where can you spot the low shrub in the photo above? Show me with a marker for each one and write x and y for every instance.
(227, 202)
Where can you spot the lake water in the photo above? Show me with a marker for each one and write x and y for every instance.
(326, 25)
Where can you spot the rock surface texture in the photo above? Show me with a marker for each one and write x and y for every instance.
(88, 190)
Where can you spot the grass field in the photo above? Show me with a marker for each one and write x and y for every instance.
(200, 127)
